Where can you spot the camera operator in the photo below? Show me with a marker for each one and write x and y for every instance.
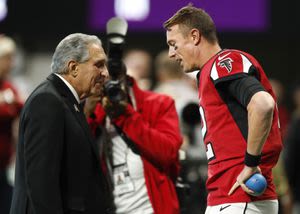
(143, 141)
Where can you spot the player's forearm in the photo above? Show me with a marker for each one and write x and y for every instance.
(260, 116)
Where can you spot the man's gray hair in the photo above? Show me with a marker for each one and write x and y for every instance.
(73, 47)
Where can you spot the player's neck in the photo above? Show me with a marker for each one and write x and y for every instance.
(209, 50)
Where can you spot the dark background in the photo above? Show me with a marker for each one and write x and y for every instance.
(40, 25)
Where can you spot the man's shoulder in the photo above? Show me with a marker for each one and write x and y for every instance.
(43, 87)
(43, 91)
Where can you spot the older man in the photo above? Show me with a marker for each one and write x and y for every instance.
(58, 167)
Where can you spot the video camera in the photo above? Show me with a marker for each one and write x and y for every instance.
(115, 87)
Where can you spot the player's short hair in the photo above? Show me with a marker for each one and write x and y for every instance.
(190, 17)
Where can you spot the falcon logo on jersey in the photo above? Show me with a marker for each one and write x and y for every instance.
(227, 63)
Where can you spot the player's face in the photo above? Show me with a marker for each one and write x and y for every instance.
(181, 48)
(93, 72)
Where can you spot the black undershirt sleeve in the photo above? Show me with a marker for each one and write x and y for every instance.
(244, 88)
(236, 91)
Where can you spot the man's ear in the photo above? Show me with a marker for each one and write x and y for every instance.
(195, 36)
(73, 68)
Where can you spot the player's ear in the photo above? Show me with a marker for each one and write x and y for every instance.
(195, 36)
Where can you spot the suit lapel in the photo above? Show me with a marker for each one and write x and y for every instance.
(74, 108)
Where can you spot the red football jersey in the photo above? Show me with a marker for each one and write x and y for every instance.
(225, 127)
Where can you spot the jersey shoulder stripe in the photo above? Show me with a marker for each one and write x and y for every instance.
(228, 63)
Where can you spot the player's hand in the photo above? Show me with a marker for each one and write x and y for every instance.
(114, 109)
(242, 177)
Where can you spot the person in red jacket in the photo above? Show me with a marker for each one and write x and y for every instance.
(144, 143)
(10, 107)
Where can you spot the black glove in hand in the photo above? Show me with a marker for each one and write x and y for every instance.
(114, 109)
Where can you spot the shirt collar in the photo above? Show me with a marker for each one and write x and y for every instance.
(70, 87)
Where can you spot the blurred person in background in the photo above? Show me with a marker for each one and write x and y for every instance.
(284, 115)
(143, 141)
(10, 107)
(279, 174)
(139, 64)
(58, 165)
(237, 107)
(171, 80)
(283, 189)
(292, 149)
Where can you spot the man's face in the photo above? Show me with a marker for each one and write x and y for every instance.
(6, 65)
(93, 73)
(181, 48)
(138, 64)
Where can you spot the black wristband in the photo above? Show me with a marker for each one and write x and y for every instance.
(252, 160)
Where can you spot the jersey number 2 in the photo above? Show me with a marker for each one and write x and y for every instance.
(209, 147)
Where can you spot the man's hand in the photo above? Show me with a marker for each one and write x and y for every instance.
(242, 177)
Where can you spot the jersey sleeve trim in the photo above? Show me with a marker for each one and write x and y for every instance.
(229, 61)
(230, 78)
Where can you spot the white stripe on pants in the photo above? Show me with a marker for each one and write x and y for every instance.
(257, 207)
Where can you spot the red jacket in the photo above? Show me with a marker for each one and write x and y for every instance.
(154, 128)
(8, 113)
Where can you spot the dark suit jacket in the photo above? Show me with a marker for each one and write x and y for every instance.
(57, 167)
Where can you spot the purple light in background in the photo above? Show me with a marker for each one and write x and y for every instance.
(229, 15)
(3, 10)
